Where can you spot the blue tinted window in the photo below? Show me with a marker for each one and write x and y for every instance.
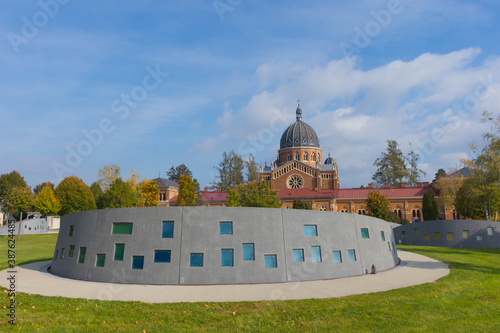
(352, 255)
(310, 230)
(226, 257)
(226, 228)
(298, 255)
(168, 229)
(137, 262)
(162, 255)
(337, 257)
(364, 233)
(316, 253)
(248, 251)
(382, 235)
(270, 261)
(196, 260)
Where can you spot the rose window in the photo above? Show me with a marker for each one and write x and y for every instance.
(295, 182)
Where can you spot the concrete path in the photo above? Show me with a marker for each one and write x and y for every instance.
(414, 270)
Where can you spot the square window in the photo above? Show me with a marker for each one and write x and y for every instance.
(426, 236)
(226, 228)
(316, 253)
(196, 260)
(465, 234)
(382, 235)
(119, 251)
(416, 231)
(403, 233)
(71, 230)
(437, 235)
(101, 258)
(310, 230)
(337, 257)
(62, 253)
(81, 256)
(122, 228)
(167, 230)
(227, 257)
(162, 255)
(449, 236)
(71, 251)
(365, 233)
(479, 237)
(248, 251)
(490, 231)
(351, 254)
(270, 261)
(137, 262)
(298, 255)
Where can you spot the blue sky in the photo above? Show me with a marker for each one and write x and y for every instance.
(151, 84)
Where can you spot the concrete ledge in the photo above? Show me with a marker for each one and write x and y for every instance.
(415, 269)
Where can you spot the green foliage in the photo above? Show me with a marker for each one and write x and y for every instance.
(135, 184)
(188, 194)
(175, 173)
(107, 175)
(119, 195)
(430, 210)
(74, 196)
(301, 204)
(22, 199)
(413, 170)
(230, 171)
(39, 187)
(232, 198)
(440, 173)
(96, 190)
(448, 187)
(7, 182)
(258, 194)
(150, 192)
(46, 202)
(378, 205)
(252, 170)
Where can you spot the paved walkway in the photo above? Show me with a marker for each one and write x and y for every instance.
(414, 270)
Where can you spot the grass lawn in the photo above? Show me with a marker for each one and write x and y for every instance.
(467, 300)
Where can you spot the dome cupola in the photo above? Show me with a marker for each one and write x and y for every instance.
(299, 134)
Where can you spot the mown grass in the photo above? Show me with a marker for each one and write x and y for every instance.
(467, 300)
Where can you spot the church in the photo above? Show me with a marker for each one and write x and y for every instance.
(299, 172)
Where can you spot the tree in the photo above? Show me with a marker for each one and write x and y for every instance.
(391, 166)
(301, 204)
(39, 187)
(232, 198)
(252, 171)
(440, 173)
(150, 191)
(413, 170)
(136, 185)
(119, 195)
(175, 173)
(107, 175)
(96, 190)
(258, 194)
(448, 187)
(46, 202)
(7, 182)
(74, 196)
(230, 171)
(22, 199)
(429, 206)
(378, 205)
(187, 191)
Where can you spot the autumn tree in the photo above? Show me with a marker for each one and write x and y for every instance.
(39, 187)
(448, 187)
(119, 195)
(378, 205)
(107, 175)
(187, 191)
(46, 202)
(21, 201)
(8, 181)
(136, 185)
(429, 206)
(229, 171)
(232, 198)
(150, 192)
(96, 190)
(258, 194)
(252, 170)
(301, 204)
(391, 166)
(74, 196)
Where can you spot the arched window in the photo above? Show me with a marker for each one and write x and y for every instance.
(296, 156)
(323, 209)
(313, 157)
(306, 157)
(289, 156)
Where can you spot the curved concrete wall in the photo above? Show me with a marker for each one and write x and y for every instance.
(450, 233)
(197, 230)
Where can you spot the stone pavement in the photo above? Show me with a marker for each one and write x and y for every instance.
(415, 269)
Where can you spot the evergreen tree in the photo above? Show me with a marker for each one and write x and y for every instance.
(175, 173)
(391, 166)
(413, 170)
(430, 209)
(440, 173)
(188, 194)
(74, 196)
(378, 205)
(119, 195)
(230, 171)
(258, 194)
(46, 202)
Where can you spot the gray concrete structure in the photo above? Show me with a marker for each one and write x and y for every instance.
(197, 230)
(29, 226)
(450, 233)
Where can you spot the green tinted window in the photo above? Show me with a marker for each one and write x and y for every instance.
(101, 258)
(81, 257)
(122, 228)
(71, 251)
(119, 251)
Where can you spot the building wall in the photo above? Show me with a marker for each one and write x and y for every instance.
(197, 230)
(481, 234)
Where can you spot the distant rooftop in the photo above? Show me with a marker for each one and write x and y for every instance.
(165, 182)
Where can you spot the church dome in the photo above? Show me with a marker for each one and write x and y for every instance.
(299, 134)
(329, 160)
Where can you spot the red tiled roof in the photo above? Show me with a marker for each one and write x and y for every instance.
(213, 196)
(362, 193)
(300, 193)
